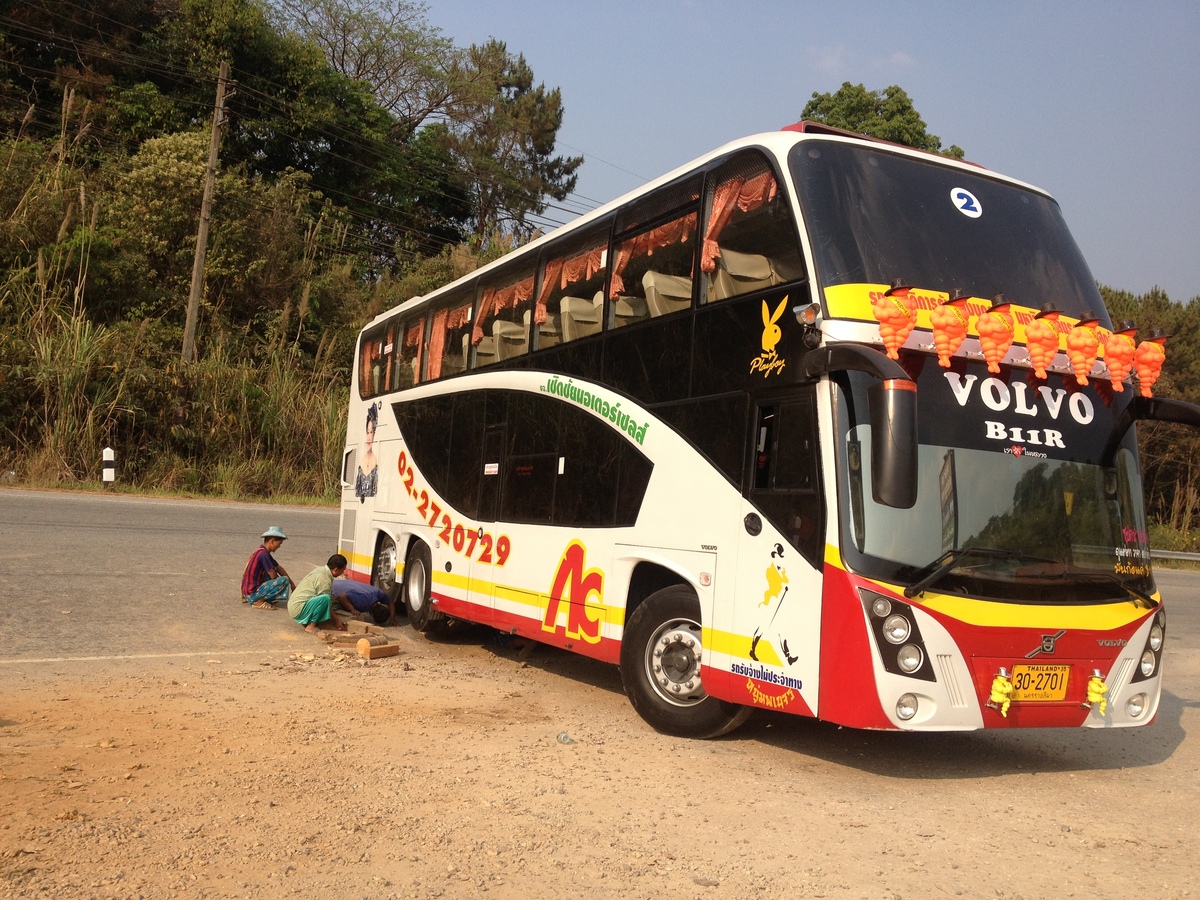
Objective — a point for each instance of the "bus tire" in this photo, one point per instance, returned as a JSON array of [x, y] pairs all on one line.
[[660, 668], [383, 573], [418, 570]]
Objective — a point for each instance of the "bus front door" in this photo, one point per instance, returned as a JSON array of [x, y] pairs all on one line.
[[778, 614]]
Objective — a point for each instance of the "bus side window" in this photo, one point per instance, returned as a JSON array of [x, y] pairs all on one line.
[[500, 330], [570, 302], [750, 241], [449, 332], [408, 360], [652, 272], [377, 362], [368, 353]]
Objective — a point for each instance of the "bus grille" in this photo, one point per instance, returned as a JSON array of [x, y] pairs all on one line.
[[348, 525], [1119, 677], [945, 665]]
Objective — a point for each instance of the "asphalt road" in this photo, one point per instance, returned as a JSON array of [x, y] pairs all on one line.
[[106, 579], [95, 578], [108, 576]]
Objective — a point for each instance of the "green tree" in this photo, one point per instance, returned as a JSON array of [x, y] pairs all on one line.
[[1170, 453], [504, 133], [888, 114], [388, 44]]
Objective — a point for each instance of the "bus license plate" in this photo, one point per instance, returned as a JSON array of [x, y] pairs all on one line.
[[1035, 684]]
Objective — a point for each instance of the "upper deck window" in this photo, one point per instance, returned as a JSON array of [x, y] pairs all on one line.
[[390, 357], [501, 330], [570, 302], [448, 333], [749, 237], [653, 268], [652, 272]]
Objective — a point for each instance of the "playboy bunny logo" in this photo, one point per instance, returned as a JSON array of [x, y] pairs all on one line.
[[771, 331], [768, 362]]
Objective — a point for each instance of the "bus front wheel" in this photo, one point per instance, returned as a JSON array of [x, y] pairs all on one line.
[[660, 668], [417, 582]]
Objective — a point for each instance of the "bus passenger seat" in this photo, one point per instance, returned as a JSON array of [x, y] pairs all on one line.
[[485, 350], [579, 318], [511, 339], [627, 310], [548, 331], [741, 273], [666, 293]]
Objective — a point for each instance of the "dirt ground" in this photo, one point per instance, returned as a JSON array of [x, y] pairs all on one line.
[[459, 768]]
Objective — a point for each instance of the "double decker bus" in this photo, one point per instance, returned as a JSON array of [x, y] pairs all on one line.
[[780, 430]]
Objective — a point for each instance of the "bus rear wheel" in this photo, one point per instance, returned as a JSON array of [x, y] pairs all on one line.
[[417, 584], [660, 668], [383, 575]]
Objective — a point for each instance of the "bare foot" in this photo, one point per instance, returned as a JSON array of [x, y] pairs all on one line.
[[310, 628]]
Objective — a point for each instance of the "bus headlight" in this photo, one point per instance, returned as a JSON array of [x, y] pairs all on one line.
[[1135, 706], [909, 658], [881, 606], [906, 707], [1147, 664], [1156, 638], [896, 629]]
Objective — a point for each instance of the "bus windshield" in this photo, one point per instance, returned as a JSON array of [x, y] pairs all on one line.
[[1015, 500], [877, 216]]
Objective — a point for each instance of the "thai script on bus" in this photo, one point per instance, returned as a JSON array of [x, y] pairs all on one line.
[[568, 390]]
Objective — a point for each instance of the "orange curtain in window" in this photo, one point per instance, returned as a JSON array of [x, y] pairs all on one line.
[[737, 193], [437, 343], [391, 351], [676, 232], [563, 273], [412, 338], [364, 371], [496, 300], [549, 280]]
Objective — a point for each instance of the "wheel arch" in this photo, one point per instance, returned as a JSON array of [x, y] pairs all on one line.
[[649, 577]]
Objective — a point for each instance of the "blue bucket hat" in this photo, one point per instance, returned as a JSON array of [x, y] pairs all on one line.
[[275, 532]]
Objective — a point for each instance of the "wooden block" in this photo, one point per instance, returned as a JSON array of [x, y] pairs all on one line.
[[367, 650]]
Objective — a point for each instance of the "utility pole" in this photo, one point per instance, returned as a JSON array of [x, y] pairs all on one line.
[[210, 177]]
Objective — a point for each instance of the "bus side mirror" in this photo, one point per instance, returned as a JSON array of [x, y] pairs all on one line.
[[893, 411]]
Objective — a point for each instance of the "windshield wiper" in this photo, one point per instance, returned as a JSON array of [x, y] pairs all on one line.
[[951, 558], [1140, 598]]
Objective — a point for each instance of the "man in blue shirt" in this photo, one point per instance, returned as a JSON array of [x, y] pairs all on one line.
[[365, 598]]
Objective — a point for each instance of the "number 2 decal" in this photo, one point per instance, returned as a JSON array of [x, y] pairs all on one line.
[[966, 203]]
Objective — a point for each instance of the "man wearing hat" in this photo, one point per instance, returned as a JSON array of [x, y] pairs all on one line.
[[265, 580]]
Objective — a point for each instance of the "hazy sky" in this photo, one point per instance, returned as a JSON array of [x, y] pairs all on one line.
[[1096, 102]]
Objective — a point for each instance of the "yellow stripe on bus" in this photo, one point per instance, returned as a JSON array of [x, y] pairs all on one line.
[[996, 614], [737, 646], [1093, 617], [853, 301]]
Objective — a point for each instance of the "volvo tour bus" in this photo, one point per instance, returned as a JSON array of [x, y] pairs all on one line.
[[774, 431]]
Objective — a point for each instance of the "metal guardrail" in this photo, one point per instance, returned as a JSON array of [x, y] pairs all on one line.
[[1174, 554]]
